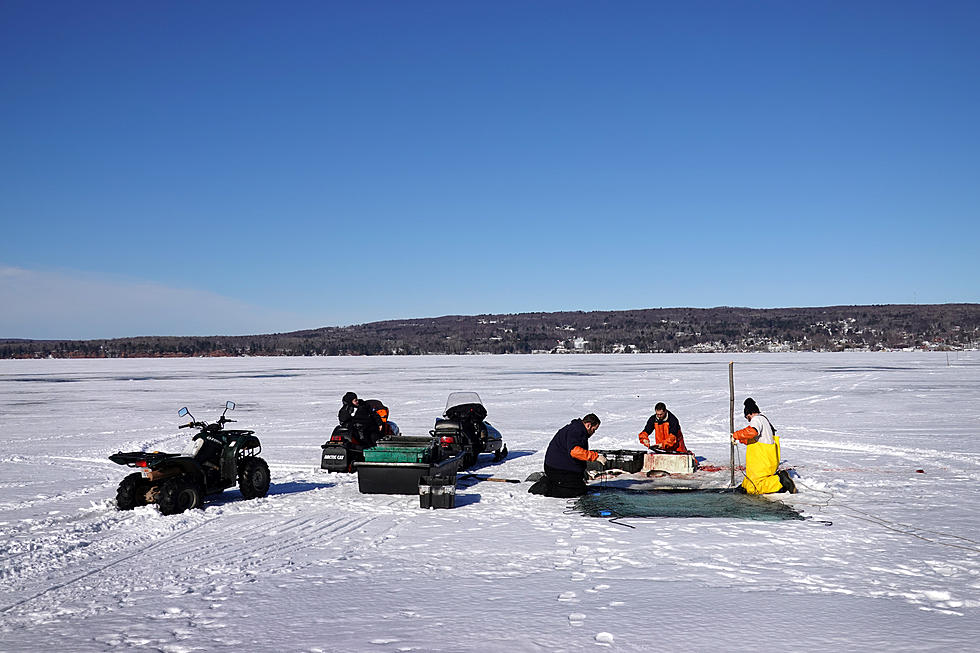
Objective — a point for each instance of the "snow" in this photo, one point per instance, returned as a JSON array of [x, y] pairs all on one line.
[[889, 558]]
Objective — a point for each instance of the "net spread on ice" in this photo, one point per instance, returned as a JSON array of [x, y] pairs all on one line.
[[614, 502]]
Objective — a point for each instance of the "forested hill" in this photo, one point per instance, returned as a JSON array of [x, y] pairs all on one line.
[[725, 329]]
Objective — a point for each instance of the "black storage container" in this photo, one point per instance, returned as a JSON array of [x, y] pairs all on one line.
[[437, 492], [401, 478], [628, 460]]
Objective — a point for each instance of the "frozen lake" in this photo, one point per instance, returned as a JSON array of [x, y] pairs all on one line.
[[886, 447]]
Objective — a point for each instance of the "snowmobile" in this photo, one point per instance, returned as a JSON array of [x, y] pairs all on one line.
[[214, 460], [462, 429], [346, 445]]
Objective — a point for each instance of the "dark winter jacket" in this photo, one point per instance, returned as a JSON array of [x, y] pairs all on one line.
[[569, 449], [367, 423], [345, 413]]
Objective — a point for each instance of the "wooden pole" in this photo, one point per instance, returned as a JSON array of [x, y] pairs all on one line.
[[731, 414]]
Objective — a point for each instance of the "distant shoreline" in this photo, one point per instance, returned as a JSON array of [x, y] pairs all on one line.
[[925, 327]]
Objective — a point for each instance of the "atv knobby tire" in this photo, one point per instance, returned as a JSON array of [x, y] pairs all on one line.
[[132, 492], [253, 478], [178, 494]]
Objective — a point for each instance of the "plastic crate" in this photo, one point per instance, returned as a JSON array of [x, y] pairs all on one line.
[[672, 463], [393, 454], [628, 460]]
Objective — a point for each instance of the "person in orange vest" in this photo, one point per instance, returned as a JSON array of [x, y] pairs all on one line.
[[762, 453], [665, 429]]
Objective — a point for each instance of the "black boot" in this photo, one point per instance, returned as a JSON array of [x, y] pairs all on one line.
[[786, 482]]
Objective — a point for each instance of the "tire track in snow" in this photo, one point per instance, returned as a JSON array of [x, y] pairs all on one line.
[[96, 570], [218, 544]]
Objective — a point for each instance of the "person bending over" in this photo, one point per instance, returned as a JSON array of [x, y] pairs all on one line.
[[565, 459]]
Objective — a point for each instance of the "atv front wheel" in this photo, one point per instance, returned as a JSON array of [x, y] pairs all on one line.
[[131, 493], [179, 494], [253, 478]]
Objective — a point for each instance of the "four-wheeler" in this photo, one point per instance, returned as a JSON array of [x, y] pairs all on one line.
[[215, 460], [462, 429]]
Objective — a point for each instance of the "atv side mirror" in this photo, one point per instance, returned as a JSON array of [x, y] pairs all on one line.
[[182, 412], [229, 405]]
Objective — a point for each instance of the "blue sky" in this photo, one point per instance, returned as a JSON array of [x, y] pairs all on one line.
[[239, 167]]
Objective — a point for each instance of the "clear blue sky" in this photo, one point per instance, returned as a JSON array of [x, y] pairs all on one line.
[[242, 167]]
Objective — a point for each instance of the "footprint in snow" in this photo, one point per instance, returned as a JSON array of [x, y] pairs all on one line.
[[566, 596], [576, 619], [604, 638]]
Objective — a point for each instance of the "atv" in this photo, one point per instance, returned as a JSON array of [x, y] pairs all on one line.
[[214, 460], [346, 444], [462, 429]]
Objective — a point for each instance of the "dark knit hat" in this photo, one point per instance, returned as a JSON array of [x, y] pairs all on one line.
[[349, 397], [751, 407]]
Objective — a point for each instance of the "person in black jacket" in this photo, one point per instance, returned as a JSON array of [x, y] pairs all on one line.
[[347, 408], [360, 417], [565, 459]]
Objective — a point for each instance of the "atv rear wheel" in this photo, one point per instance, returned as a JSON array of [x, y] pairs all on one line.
[[132, 492], [253, 478], [178, 494]]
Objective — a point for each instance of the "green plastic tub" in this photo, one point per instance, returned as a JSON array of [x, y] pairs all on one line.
[[396, 454]]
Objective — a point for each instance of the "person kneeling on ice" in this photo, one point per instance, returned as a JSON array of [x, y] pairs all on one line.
[[565, 459], [665, 428], [761, 455]]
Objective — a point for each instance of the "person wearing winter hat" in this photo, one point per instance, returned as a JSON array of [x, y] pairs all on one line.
[[762, 454], [362, 419], [348, 407]]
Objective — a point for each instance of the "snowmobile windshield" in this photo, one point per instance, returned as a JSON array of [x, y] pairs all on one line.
[[462, 399]]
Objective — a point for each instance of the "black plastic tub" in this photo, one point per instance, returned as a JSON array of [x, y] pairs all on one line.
[[628, 460], [401, 478]]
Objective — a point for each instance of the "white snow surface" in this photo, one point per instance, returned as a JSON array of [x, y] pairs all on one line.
[[889, 558]]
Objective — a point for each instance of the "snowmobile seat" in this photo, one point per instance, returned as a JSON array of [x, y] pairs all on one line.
[[448, 425]]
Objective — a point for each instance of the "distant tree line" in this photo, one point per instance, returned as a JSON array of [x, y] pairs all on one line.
[[725, 329]]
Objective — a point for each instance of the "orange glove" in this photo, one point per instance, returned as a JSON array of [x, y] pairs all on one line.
[[645, 439], [670, 441]]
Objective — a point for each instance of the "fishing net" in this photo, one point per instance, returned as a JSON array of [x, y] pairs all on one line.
[[615, 502]]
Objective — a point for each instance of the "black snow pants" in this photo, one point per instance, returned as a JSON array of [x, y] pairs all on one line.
[[560, 483]]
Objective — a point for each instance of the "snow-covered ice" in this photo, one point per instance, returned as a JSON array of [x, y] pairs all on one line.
[[889, 558]]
